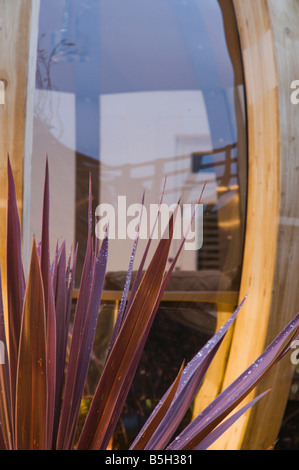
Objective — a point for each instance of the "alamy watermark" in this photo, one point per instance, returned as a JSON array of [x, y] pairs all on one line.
[[2, 92], [295, 94], [2, 353], [126, 221], [295, 354]]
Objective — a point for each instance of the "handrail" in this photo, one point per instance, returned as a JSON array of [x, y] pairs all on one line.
[[221, 297]]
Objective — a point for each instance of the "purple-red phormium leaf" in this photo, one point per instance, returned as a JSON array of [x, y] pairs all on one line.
[[144, 256], [60, 306], [148, 432], [54, 267], [229, 399], [191, 380], [69, 296], [219, 430], [136, 282], [69, 280], [39, 313], [2, 442], [49, 305], [85, 348], [5, 403], [14, 278], [45, 238], [31, 391], [108, 398], [139, 348], [137, 354], [78, 326], [124, 299], [51, 362], [174, 261], [196, 379]]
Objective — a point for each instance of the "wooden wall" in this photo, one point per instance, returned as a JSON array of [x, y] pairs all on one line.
[[18, 32], [269, 41]]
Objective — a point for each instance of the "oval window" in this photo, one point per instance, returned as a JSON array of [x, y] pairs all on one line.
[[132, 93]]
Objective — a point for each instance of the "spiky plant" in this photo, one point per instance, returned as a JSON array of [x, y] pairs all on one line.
[[42, 386]]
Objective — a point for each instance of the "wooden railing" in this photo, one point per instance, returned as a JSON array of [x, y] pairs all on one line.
[[230, 297]]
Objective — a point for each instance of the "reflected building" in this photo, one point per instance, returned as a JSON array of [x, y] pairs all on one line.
[[132, 107]]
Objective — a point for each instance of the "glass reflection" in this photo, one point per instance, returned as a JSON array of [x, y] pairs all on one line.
[[133, 92], [133, 107]]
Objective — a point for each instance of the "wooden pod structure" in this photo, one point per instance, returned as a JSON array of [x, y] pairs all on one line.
[[269, 46], [267, 31]]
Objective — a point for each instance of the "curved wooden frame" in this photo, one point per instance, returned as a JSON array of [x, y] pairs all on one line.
[[270, 264], [266, 29]]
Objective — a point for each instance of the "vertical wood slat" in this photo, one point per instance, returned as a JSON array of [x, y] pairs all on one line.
[[265, 420], [17, 60], [259, 262]]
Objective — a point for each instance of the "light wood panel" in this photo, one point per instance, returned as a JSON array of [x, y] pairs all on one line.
[[269, 41], [265, 420], [259, 263], [16, 24]]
